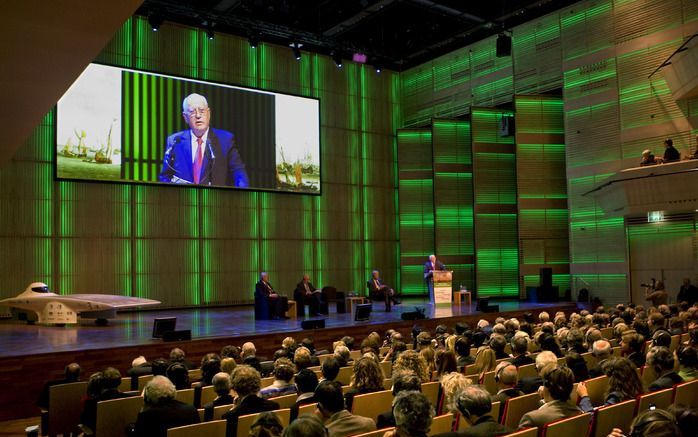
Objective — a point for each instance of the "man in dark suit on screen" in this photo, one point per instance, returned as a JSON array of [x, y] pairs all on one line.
[[429, 267], [278, 305], [202, 155]]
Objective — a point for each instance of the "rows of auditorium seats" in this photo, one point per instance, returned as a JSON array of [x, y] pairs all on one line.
[[114, 416]]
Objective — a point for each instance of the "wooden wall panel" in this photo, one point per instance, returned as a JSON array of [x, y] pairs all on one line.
[[542, 189]]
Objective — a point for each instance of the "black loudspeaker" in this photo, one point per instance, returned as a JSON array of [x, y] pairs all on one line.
[[546, 277], [548, 294], [483, 304], [184, 334], [503, 45], [162, 325], [313, 324], [363, 312], [417, 314], [341, 303]]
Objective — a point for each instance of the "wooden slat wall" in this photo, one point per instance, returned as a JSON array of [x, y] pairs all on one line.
[[453, 199], [600, 52], [416, 194], [190, 247], [494, 185], [542, 189]]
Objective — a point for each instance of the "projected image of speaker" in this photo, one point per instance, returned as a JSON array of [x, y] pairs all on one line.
[[162, 325], [363, 312], [313, 324]]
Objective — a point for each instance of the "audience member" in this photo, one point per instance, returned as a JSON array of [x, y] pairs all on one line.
[[558, 382], [498, 343], [661, 360], [221, 386], [670, 152], [282, 385], [531, 385], [178, 375], [506, 376], [367, 378], [227, 365], [306, 426], [161, 411], [71, 373], [462, 348], [687, 293], [578, 366], [306, 382], [651, 423], [411, 360], [338, 421], [267, 424], [631, 345], [177, 355], [602, 351], [688, 362], [475, 407], [329, 369], [519, 347], [485, 361], [624, 384], [445, 363], [245, 381], [413, 415], [451, 386], [402, 381]]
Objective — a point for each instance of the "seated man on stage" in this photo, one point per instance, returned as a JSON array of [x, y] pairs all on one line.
[[429, 267], [306, 293], [378, 290], [278, 305]]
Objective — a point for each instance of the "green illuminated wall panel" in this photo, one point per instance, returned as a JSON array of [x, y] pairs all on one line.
[[416, 194], [494, 185], [542, 189], [453, 198]]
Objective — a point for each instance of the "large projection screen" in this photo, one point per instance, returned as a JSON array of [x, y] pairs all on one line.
[[120, 125]]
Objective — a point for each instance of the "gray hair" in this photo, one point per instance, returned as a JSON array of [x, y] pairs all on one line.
[[474, 401], [263, 275], [544, 358], [192, 97], [158, 390], [413, 412], [221, 383], [602, 348]]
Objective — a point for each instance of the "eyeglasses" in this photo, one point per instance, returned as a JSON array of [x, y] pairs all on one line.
[[196, 112]]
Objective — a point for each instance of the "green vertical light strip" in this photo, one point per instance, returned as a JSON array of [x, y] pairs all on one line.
[[367, 262], [494, 177]]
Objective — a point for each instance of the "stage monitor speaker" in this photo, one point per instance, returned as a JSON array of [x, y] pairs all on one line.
[[363, 312], [341, 303], [417, 314], [162, 325], [546, 277], [483, 304], [182, 335], [313, 324], [548, 294], [503, 45]]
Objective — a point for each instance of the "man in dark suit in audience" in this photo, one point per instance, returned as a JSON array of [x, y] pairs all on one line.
[[246, 382], [475, 407], [110, 382], [602, 350], [558, 382], [462, 347], [687, 293], [379, 291], [71, 374], [278, 305], [402, 381], [531, 385], [221, 385], [161, 411], [306, 382], [331, 410], [306, 293], [506, 376], [661, 359], [519, 348]]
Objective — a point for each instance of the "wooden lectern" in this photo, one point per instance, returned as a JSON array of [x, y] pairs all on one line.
[[442, 287]]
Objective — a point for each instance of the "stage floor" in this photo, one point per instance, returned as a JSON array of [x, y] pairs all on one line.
[[135, 328]]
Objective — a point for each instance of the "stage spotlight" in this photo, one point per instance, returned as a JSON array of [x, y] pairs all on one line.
[[253, 40], [210, 34], [337, 58], [155, 22], [296, 49], [378, 68]]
